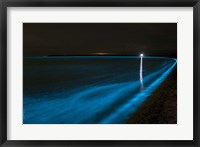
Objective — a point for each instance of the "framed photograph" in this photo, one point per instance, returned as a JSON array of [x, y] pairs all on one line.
[[99, 73]]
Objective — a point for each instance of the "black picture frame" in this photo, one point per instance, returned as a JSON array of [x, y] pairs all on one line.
[[96, 3]]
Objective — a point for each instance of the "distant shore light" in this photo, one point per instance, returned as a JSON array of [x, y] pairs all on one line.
[[141, 55], [101, 53]]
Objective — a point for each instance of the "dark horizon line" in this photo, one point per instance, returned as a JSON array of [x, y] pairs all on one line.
[[100, 55]]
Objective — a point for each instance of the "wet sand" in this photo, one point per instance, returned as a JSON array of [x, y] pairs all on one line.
[[161, 107]]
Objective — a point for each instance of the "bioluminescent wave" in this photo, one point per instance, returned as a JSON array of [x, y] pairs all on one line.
[[89, 89]]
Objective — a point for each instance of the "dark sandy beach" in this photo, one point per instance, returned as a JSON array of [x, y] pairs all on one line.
[[161, 107]]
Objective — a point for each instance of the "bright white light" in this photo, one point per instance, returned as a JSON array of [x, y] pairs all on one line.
[[141, 68]]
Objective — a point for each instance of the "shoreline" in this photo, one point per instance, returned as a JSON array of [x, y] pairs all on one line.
[[161, 106]]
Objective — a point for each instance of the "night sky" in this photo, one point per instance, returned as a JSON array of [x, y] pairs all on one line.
[[152, 39]]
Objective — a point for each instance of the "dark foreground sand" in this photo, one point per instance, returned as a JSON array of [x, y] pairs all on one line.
[[161, 107]]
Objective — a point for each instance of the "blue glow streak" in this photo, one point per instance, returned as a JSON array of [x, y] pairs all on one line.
[[128, 109]]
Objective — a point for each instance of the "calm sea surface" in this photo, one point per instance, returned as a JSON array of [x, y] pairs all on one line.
[[89, 89]]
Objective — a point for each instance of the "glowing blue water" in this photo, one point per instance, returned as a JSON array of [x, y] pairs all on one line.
[[89, 89]]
